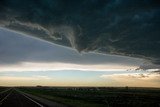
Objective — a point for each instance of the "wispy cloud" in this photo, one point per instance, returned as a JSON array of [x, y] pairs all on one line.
[[134, 79], [31, 66], [140, 76], [23, 78]]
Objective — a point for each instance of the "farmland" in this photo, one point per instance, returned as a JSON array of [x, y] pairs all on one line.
[[98, 96]]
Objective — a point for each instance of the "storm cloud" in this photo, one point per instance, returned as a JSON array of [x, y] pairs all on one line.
[[15, 48], [122, 27]]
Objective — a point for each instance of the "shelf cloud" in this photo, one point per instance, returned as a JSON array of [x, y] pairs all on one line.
[[121, 27], [23, 53]]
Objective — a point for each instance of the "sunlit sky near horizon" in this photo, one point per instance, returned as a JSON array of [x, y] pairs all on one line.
[[27, 61]]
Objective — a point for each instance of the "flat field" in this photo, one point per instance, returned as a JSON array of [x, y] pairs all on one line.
[[98, 96]]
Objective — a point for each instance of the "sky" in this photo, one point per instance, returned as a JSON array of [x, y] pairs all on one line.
[[28, 61], [122, 27], [80, 42]]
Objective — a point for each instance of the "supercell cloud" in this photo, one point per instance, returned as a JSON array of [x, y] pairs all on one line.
[[123, 27], [17, 50]]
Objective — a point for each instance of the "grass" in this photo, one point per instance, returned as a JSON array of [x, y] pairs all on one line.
[[3, 89], [101, 97]]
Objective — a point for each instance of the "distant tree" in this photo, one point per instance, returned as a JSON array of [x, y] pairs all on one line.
[[126, 87]]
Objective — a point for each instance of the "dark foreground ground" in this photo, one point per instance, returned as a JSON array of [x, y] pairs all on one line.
[[12, 97], [81, 97]]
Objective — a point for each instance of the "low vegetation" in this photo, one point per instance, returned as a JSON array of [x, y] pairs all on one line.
[[98, 96], [3, 89]]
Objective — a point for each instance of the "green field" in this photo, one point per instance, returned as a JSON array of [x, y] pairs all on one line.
[[3, 89], [98, 97]]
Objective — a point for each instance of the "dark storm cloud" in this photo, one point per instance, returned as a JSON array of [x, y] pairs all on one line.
[[15, 48], [126, 27]]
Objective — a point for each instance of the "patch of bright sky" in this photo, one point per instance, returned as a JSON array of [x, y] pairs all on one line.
[[80, 78]]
